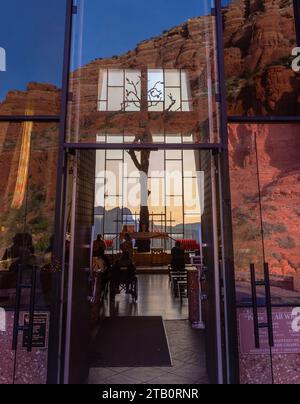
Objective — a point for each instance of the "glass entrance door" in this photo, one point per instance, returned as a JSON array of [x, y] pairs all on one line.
[[158, 198], [144, 94]]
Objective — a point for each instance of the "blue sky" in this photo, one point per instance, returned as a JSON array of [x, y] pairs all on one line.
[[118, 25], [32, 32]]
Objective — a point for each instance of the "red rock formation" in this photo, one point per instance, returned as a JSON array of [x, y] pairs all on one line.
[[36, 215], [189, 46], [259, 38], [38, 99], [278, 169]]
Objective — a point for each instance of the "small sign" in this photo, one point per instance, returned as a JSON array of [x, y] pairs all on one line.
[[40, 327], [286, 337]]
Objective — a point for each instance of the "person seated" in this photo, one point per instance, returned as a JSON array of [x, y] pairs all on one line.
[[127, 246], [178, 258], [119, 275], [99, 248]]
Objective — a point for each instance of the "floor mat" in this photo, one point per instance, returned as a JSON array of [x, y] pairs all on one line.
[[131, 342]]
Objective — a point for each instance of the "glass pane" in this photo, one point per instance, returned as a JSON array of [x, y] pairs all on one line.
[[172, 78], [132, 195], [278, 163], [29, 161], [114, 174], [114, 138], [155, 86], [116, 77], [172, 99], [175, 214], [192, 196], [100, 163], [278, 169], [185, 86], [115, 99], [130, 169], [258, 59], [191, 163], [247, 231], [161, 77], [174, 138], [156, 106], [102, 106], [157, 163], [133, 88], [272, 201], [99, 224], [32, 38], [103, 85], [192, 228], [174, 154], [114, 155], [99, 192], [111, 203]]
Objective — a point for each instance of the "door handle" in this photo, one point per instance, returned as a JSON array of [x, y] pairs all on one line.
[[269, 304], [254, 306], [269, 324], [31, 309]]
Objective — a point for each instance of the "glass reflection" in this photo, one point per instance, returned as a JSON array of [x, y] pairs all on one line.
[[169, 206], [270, 232], [152, 73], [28, 162], [32, 35], [259, 39]]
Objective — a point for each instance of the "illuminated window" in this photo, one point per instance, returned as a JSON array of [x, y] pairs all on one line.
[[119, 90], [167, 90]]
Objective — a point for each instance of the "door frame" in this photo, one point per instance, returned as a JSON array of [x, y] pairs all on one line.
[[56, 344], [224, 346]]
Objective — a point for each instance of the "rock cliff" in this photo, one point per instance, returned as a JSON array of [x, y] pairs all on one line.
[[259, 37]]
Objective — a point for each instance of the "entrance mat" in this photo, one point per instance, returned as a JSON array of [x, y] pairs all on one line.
[[131, 342]]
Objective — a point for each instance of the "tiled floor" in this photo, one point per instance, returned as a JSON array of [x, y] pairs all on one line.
[[155, 299], [187, 346]]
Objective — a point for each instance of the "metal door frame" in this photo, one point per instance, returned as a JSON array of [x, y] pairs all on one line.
[[55, 364]]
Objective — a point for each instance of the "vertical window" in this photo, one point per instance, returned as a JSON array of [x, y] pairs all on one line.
[[119, 90], [169, 90]]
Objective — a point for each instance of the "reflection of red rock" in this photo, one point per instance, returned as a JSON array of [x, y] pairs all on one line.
[[259, 37], [41, 99], [39, 205], [258, 58], [189, 47], [279, 167]]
